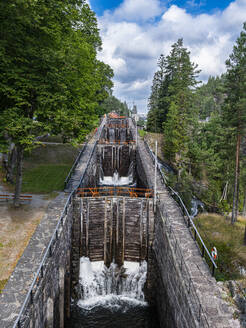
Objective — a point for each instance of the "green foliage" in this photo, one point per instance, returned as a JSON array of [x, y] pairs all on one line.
[[142, 133], [210, 96], [173, 82], [173, 140], [203, 127], [234, 110], [51, 79], [217, 231], [112, 104]]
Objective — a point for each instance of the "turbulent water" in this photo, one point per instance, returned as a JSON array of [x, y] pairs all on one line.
[[112, 297], [116, 179], [195, 205]]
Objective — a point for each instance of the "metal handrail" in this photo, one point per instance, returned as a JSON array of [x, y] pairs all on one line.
[[190, 223], [74, 165], [98, 135], [191, 289], [189, 220]]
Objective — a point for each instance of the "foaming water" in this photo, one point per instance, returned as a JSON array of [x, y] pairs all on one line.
[[116, 180], [112, 297], [98, 280]]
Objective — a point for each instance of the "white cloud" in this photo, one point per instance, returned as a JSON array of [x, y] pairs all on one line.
[[138, 31], [138, 10]]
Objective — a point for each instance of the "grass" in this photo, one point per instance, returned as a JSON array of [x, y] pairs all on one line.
[[45, 178], [45, 168], [142, 133], [2, 284], [217, 231]]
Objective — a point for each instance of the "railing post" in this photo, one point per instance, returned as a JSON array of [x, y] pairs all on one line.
[[155, 176], [31, 297], [213, 270]]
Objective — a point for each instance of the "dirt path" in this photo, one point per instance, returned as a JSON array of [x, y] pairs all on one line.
[[16, 228]]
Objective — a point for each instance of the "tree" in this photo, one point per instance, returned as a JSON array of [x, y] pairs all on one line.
[[113, 104], [234, 110], [180, 79], [156, 106], [210, 96], [51, 79]]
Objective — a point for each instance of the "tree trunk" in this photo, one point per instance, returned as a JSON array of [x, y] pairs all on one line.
[[237, 198], [244, 204], [236, 182], [18, 184], [11, 165], [244, 239]]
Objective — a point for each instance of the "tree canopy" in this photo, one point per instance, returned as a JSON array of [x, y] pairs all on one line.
[[51, 79], [204, 126]]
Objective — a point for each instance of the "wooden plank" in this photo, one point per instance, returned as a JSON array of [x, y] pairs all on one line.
[[111, 232], [117, 230], [123, 230], [141, 230], [81, 226], [105, 232], [87, 228], [147, 231]]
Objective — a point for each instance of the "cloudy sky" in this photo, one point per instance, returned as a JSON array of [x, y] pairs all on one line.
[[136, 32]]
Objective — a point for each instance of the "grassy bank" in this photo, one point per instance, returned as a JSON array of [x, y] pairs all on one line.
[[2, 284], [217, 231], [44, 178], [45, 168]]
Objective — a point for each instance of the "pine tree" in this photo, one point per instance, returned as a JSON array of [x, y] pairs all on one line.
[[155, 116], [180, 77], [234, 111]]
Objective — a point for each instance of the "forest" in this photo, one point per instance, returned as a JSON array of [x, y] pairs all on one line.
[[203, 127], [51, 79]]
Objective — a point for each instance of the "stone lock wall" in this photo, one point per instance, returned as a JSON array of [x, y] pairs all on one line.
[[50, 297], [91, 173]]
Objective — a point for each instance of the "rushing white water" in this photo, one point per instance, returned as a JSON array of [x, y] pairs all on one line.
[[116, 180], [195, 204], [111, 286]]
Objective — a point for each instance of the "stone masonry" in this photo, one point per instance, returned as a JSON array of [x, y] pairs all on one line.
[[54, 271]]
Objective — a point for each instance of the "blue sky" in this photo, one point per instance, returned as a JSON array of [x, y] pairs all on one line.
[[193, 6], [136, 32]]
